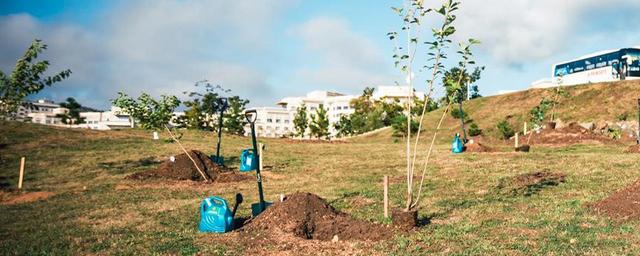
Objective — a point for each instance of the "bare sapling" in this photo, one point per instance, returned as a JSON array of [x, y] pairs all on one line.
[[413, 14]]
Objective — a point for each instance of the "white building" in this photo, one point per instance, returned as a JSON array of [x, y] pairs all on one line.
[[42, 112], [106, 120], [603, 66], [277, 122]]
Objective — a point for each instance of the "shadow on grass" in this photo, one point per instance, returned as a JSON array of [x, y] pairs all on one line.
[[120, 167]]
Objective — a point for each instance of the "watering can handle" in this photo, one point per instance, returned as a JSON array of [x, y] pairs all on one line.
[[251, 115]]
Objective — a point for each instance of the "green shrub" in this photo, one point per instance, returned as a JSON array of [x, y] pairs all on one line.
[[506, 131], [457, 113], [474, 130], [623, 117]]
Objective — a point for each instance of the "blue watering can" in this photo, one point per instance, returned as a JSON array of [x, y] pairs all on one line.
[[215, 215], [457, 147], [248, 161]]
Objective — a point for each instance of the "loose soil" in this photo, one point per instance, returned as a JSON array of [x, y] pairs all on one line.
[[24, 197], [405, 220], [621, 205], [530, 183], [476, 147], [183, 169], [523, 148], [633, 149], [308, 216], [571, 134]]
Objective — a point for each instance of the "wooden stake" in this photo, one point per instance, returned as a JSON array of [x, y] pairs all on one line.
[[517, 140], [525, 128], [186, 152], [22, 162], [386, 196]]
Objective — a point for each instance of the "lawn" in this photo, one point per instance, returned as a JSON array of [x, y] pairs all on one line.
[[94, 210]]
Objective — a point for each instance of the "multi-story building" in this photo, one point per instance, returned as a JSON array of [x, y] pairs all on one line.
[[278, 121], [106, 120], [42, 112]]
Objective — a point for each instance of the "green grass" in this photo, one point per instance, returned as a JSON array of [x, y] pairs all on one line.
[[96, 211]]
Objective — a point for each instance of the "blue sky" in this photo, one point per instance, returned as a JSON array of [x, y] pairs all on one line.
[[265, 50]]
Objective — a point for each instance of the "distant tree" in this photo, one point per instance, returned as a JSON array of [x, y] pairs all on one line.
[[320, 123], [454, 76], [399, 126], [506, 131], [73, 116], [149, 113], [538, 113], [234, 119], [205, 106], [27, 78], [300, 121], [343, 127]]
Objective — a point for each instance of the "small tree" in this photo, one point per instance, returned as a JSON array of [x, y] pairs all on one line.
[[205, 106], [399, 126], [538, 113], [320, 123], [559, 93], [300, 121], [343, 127], [474, 130], [73, 116], [27, 78], [234, 119], [149, 113], [506, 131]]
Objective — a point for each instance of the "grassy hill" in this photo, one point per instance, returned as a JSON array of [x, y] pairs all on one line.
[[587, 103]]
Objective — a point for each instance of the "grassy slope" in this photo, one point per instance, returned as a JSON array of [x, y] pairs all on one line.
[[588, 103], [116, 216]]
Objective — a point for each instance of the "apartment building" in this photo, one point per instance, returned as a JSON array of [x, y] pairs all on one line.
[[106, 120], [42, 112], [277, 122]]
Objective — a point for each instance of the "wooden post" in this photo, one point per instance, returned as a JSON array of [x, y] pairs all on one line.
[[525, 128], [260, 147], [22, 162], [517, 140], [386, 196]]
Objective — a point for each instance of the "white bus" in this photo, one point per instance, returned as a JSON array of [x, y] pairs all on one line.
[[605, 66]]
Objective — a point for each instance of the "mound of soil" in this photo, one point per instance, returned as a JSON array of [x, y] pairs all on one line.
[[476, 147], [530, 183], [571, 134], [633, 149], [621, 205], [308, 216], [183, 169]]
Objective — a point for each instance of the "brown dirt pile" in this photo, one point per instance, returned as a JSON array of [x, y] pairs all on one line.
[[476, 147], [308, 216], [571, 134], [184, 169], [621, 205], [633, 149], [530, 183]]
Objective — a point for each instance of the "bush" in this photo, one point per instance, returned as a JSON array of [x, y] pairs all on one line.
[[506, 131], [474, 130], [457, 113], [399, 125], [623, 117]]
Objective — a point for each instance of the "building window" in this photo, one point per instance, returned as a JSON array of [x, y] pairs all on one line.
[[339, 108], [277, 121], [269, 120], [286, 121]]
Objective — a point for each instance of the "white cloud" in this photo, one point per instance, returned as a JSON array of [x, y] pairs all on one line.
[[518, 31], [346, 58], [154, 46]]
